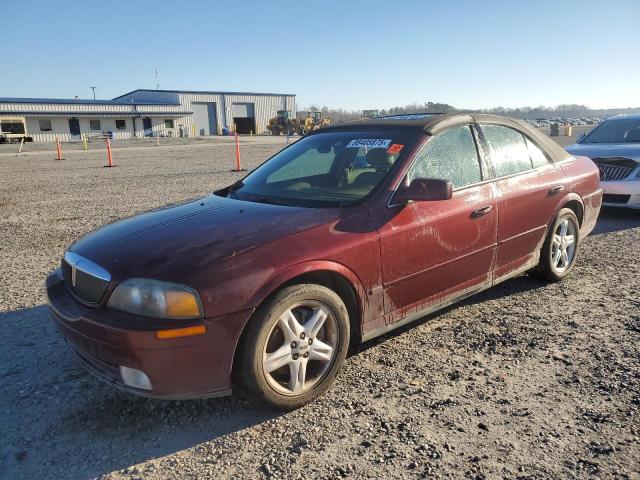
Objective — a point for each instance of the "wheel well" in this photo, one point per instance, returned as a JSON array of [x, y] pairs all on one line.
[[326, 278], [577, 208]]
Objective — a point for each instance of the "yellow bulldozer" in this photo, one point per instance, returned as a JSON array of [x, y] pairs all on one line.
[[309, 121], [304, 122], [282, 124]]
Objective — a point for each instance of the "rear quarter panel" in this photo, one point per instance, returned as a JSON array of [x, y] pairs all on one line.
[[584, 180]]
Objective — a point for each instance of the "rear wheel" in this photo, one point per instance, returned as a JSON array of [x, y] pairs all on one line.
[[294, 346], [559, 252]]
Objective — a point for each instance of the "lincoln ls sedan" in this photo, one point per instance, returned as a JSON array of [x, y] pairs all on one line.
[[352, 231]]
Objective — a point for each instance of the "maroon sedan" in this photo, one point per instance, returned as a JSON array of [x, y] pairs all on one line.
[[350, 232]]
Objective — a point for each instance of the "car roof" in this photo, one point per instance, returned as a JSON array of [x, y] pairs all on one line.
[[627, 116], [432, 123]]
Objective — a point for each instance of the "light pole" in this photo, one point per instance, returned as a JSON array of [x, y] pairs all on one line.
[[94, 92]]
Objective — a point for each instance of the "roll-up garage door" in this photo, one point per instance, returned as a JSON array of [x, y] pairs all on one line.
[[244, 117], [204, 118]]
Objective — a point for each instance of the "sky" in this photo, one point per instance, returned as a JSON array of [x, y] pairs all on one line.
[[342, 54]]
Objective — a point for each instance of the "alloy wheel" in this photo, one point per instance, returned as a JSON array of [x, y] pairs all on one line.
[[563, 245], [300, 348]]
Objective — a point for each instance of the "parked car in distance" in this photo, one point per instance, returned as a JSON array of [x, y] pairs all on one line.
[[614, 146], [352, 231]]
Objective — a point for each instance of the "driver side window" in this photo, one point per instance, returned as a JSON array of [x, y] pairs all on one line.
[[450, 155]]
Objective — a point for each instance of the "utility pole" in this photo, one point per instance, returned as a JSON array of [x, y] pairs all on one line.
[[157, 79], [94, 92]]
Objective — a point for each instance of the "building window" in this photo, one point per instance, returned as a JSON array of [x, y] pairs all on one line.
[[45, 125], [168, 123], [121, 125], [94, 125]]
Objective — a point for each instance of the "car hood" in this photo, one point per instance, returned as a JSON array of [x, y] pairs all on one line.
[[177, 242], [605, 150]]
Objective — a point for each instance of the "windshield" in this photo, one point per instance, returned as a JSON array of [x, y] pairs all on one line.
[[331, 169], [615, 131]]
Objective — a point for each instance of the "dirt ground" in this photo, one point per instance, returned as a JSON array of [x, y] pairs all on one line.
[[526, 380]]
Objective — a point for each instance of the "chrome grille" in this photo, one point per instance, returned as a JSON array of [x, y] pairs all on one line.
[[86, 280], [614, 172]]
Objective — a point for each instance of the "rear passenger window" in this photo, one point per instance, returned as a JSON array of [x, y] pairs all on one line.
[[538, 158], [509, 152], [450, 155]]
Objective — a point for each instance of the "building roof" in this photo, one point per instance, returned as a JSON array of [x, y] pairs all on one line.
[[96, 114], [208, 92], [81, 101]]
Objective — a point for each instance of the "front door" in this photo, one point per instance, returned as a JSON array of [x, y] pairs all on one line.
[[146, 125], [529, 186], [74, 127], [433, 251]]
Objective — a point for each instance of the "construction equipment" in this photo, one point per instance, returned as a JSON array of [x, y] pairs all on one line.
[[13, 129], [282, 123], [304, 122], [309, 121]]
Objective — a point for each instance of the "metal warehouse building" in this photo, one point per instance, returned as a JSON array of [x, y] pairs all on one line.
[[147, 113]]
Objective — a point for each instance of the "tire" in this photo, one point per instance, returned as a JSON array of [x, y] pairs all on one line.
[[275, 348], [550, 268]]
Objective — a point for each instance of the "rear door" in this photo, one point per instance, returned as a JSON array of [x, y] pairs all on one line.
[[433, 251], [529, 186]]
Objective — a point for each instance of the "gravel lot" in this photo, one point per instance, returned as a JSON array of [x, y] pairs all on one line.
[[524, 381]]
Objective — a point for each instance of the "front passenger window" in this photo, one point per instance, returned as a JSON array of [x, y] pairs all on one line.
[[509, 152], [450, 155]]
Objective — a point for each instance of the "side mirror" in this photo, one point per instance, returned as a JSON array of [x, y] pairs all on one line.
[[424, 189], [580, 137]]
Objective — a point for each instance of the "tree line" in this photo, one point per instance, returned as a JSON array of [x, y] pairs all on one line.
[[568, 110]]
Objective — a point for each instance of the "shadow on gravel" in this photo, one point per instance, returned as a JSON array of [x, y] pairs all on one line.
[[616, 219], [49, 403]]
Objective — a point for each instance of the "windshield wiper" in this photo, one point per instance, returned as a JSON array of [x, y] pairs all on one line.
[[274, 201]]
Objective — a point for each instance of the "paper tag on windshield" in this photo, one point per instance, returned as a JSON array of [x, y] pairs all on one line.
[[369, 143], [395, 148]]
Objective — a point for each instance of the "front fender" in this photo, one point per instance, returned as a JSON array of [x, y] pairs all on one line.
[[284, 276]]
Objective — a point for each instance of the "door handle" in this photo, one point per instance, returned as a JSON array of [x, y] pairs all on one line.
[[556, 189], [481, 211]]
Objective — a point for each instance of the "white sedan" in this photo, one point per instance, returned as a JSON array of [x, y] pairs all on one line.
[[614, 146]]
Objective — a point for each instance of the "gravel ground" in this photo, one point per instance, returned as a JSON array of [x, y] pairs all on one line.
[[523, 381], [8, 149]]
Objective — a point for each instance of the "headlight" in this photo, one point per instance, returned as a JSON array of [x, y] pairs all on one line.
[[152, 298]]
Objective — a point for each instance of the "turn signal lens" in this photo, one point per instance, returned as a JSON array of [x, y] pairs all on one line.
[[181, 304], [181, 332]]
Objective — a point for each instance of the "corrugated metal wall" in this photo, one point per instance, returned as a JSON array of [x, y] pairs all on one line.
[[264, 108]]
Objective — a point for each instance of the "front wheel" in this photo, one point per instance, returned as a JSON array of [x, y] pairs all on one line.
[[559, 252], [294, 346]]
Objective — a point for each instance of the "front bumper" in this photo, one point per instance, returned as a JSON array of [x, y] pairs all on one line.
[[622, 193], [178, 368]]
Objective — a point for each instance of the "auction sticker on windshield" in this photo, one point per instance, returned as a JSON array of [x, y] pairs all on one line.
[[369, 143]]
